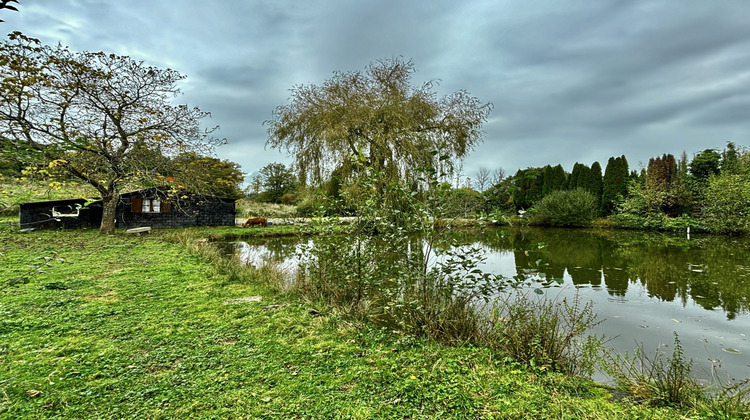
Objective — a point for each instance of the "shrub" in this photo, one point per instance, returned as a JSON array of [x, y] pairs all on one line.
[[566, 208], [289, 198], [548, 334], [459, 202], [249, 208], [726, 207], [311, 205], [396, 267]]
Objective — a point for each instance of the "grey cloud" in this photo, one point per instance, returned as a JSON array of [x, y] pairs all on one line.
[[570, 81]]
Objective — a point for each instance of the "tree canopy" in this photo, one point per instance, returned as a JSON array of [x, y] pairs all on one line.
[[555, 179], [276, 180], [209, 175], [379, 117], [664, 189], [705, 164], [103, 118], [528, 185]]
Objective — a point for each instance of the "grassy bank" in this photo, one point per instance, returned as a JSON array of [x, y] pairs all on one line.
[[16, 191], [127, 326]]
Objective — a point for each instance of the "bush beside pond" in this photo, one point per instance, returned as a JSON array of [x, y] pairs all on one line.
[[574, 208]]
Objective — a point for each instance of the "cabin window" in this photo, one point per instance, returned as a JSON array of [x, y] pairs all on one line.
[[149, 205], [66, 211]]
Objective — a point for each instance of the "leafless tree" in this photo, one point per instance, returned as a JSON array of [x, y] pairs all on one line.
[[482, 179], [458, 172], [498, 176]]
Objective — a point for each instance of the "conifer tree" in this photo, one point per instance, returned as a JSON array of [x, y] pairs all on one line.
[[546, 186], [614, 185], [529, 185], [556, 179], [574, 177], [729, 159], [536, 186], [664, 190], [596, 181]]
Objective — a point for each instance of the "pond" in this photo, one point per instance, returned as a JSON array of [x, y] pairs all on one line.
[[644, 285]]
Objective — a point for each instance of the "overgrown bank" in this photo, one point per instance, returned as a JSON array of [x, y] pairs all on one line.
[[121, 326]]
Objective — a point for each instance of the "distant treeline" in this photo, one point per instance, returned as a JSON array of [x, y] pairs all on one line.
[[711, 191]]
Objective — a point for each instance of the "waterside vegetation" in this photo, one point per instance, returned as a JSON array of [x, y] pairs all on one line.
[[164, 326]]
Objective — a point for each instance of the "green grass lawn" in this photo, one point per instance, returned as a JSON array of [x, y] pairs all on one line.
[[139, 327]]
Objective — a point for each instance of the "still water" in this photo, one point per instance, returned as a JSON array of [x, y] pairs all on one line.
[[644, 285]]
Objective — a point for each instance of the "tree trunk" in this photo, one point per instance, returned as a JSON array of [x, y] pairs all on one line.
[[109, 204]]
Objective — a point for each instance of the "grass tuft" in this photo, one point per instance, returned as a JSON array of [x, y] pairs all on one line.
[[658, 379], [548, 334]]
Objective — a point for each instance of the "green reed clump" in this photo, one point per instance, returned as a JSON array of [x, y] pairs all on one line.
[[548, 334], [666, 380], [659, 379], [431, 305], [339, 273], [731, 402]]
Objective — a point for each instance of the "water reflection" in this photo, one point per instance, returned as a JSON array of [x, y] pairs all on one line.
[[710, 271], [282, 252], [713, 272]]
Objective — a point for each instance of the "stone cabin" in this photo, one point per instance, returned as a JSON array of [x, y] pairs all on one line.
[[150, 207]]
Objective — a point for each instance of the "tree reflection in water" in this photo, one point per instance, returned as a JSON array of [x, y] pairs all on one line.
[[712, 271]]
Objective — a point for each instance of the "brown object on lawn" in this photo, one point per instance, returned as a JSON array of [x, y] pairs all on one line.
[[255, 221]]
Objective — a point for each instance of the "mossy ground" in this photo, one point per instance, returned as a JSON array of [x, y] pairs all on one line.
[[130, 326]]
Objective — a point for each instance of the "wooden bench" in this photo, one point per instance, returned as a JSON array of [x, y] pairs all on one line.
[[139, 230]]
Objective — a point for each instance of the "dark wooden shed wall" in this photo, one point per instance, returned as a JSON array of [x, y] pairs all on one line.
[[194, 210], [39, 215]]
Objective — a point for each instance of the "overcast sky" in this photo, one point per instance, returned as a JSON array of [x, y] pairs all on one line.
[[570, 80]]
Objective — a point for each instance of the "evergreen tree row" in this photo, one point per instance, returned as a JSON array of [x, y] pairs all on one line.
[[711, 191], [532, 184]]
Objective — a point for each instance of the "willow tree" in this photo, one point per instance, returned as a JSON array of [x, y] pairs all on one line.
[[92, 115], [379, 117]]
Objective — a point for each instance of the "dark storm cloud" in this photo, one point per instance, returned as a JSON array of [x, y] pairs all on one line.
[[570, 81]]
